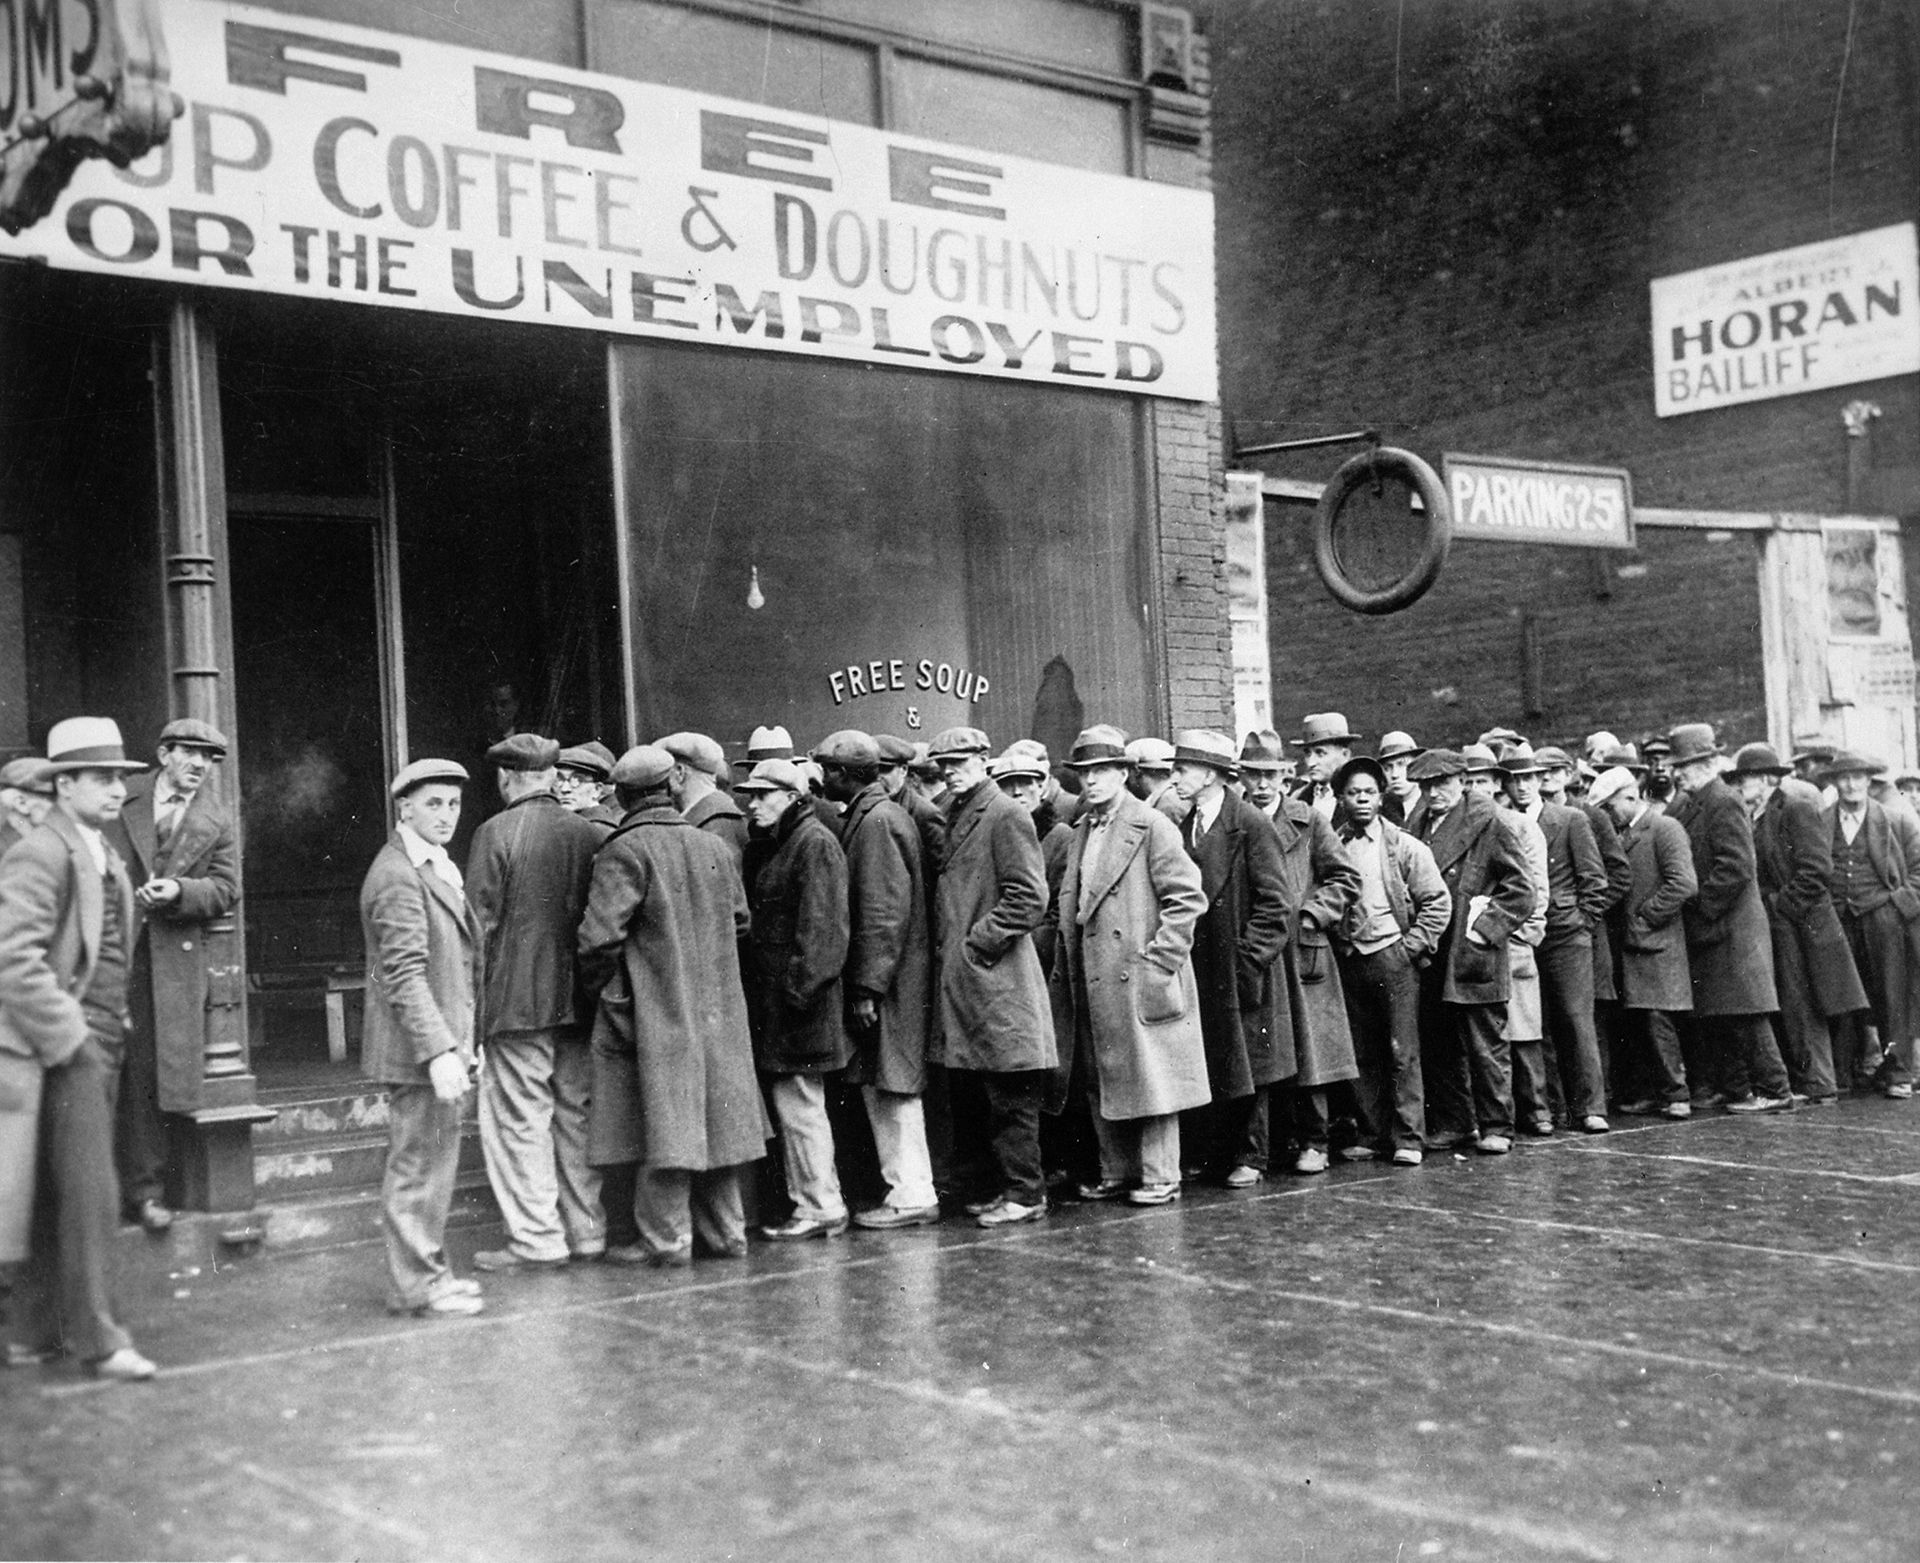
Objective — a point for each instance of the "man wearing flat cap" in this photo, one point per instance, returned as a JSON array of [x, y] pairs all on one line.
[[422, 1012], [897, 758], [994, 1015], [582, 776], [889, 976], [1875, 882], [527, 874], [799, 941], [1326, 743], [694, 784], [66, 949], [1152, 778], [1729, 941], [1126, 1011], [177, 837], [1465, 1064], [673, 1078], [1246, 1015], [26, 798], [1813, 969]]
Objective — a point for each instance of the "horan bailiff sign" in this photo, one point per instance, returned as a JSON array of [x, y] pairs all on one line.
[[1506, 500], [1804, 319]]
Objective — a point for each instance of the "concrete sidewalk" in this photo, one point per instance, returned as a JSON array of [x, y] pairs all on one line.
[[1676, 1342]]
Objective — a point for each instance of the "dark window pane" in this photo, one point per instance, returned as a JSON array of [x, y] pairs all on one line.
[[999, 114], [751, 61], [532, 29], [1058, 32]]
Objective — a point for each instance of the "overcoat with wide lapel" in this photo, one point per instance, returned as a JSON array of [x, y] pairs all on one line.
[[1319, 883], [1653, 939], [890, 948], [423, 968], [799, 942], [203, 855], [1729, 940], [1244, 1008], [1125, 1002], [992, 1007], [1479, 860], [1793, 856], [1606, 929]]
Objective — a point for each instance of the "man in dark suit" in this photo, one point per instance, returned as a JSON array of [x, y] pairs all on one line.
[[423, 991], [1262, 759], [1729, 942], [66, 947], [1235, 945], [177, 837], [1577, 897], [1876, 886], [1558, 778], [1813, 968], [1326, 743], [527, 874], [1465, 1063]]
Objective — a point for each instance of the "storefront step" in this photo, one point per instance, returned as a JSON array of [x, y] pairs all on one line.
[[334, 1162]]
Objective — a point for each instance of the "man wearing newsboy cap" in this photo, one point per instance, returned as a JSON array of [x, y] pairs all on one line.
[[66, 947]]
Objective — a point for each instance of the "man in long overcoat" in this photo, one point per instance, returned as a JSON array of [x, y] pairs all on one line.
[[1654, 982], [799, 942], [888, 978], [1876, 887], [66, 931], [1557, 777], [674, 1087], [696, 792], [422, 1014], [177, 838], [1463, 995], [1729, 941], [1123, 990], [993, 1014], [1244, 1014], [1813, 970], [527, 873]]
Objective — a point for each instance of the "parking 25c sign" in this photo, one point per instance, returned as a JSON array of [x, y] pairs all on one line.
[[1514, 501], [335, 162], [1804, 319]]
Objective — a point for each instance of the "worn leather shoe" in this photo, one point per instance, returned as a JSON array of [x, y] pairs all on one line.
[[503, 1259], [1677, 1110], [125, 1366], [1761, 1104], [153, 1216], [450, 1302], [1408, 1156], [1593, 1123], [1310, 1161], [889, 1218], [1494, 1145], [1898, 1093], [1244, 1177], [1154, 1194], [797, 1229], [1105, 1189], [1010, 1212], [1357, 1153], [1645, 1107], [979, 1207]]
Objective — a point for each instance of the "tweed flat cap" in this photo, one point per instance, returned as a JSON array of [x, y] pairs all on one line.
[[581, 758], [775, 776], [894, 751], [1553, 757], [420, 772], [193, 732], [1017, 762], [29, 773], [1151, 754], [1437, 763], [525, 752], [958, 742], [1613, 780], [849, 746], [643, 767], [704, 754]]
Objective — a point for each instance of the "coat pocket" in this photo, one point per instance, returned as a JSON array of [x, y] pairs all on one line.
[[1253, 979], [1311, 956], [1158, 996], [1475, 963]]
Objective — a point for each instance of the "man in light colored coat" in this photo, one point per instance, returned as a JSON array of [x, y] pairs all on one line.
[[66, 947], [527, 873], [994, 1015], [423, 990], [1654, 982], [1123, 990]]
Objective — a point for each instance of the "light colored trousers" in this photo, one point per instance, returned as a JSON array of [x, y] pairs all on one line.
[[806, 1147], [671, 1205], [900, 1138], [1144, 1150], [534, 1091]]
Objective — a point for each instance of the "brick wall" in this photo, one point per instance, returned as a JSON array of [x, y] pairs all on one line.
[[1190, 514], [1456, 248]]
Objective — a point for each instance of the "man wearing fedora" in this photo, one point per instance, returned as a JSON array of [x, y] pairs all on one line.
[[423, 996], [1390, 932], [1326, 743], [1244, 1018], [66, 956], [1263, 764], [994, 1015], [1464, 1060], [799, 941], [1126, 1009], [1578, 896], [527, 873], [673, 1075], [1875, 882], [1650, 1074], [1729, 941], [1398, 796], [177, 839], [26, 797]]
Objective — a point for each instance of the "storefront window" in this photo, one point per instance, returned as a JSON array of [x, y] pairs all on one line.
[[928, 549], [1001, 114]]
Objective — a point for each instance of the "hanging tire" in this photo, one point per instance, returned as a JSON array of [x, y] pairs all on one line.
[[1386, 462]]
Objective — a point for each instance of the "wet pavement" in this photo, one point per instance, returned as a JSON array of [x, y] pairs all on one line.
[[1680, 1341]]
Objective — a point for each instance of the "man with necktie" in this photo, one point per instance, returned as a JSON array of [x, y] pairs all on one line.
[[1327, 744]]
